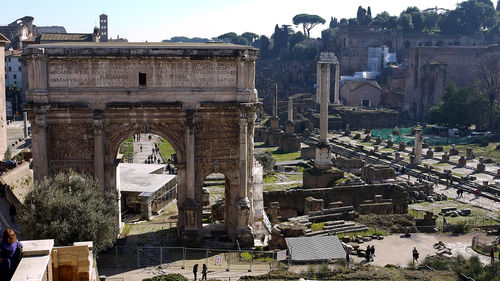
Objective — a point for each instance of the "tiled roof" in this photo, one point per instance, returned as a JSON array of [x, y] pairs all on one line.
[[73, 37], [353, 85], [3, 38], [315, 248]]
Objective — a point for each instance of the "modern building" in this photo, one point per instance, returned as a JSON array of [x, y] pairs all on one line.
[[103, 24], [14, 83], [145, 189], [13, 68]]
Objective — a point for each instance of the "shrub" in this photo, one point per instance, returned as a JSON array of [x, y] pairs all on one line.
[[167, 277]]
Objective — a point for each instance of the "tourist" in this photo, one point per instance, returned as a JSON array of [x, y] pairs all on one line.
[[141, 148], [204, 272], [372, 254], [195, 271], [458, 192], [415, 255], [477, 192], [347, 258], [10, 254], [12, 212], [367, 253], [492, 255]]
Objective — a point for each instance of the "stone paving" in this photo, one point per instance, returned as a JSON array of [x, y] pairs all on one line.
[[140, 155]]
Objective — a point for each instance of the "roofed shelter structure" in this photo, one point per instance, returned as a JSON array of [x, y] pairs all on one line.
[[84, 99], [361, 93]]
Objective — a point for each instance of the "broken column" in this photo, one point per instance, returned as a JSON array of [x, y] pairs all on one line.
[[274, 136], [470, 153], [480, 166], [336, 99], [462, 161], [418, 146], [25, 124], [323, 174], [289, 142]]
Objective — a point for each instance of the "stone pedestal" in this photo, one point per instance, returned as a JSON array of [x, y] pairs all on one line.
[[378, 140], [445, 157], [462, 161], [429, 153], [438, 149], [274, 137], [289, 143], [453, 150], [275, 123], [274, 212], [390, 143], [402, 146], [470, 153], [480, 168], [397, 156], [146, 210], [322, 159], [320, 178], [418, 146]]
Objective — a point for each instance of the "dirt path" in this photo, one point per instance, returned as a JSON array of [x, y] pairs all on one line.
[[397, 250]]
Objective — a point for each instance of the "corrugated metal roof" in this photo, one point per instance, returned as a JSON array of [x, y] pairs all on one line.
[[315, 248]]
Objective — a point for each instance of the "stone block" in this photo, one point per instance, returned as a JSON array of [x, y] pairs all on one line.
[[462, 161], [378, 140], [425, 145], [320, 178], [289, 143], [453, 150], [390, 143], [429, 153], [445, 157], [470, 153], [480, 168], [367, 138], [438, 149], [337, 204], [312, 204], [402, 146]]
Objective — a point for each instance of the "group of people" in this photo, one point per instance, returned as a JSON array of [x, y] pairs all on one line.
[[10, 254], [370, 253], [204, 271]]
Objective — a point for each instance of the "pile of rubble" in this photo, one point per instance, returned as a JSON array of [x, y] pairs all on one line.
[[361, 239], [453, 212], [422, 192], [442, 250]]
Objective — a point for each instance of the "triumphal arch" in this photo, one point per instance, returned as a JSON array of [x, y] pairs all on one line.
[[84, 99]]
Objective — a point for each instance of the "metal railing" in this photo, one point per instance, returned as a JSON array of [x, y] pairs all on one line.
[[185, 258]]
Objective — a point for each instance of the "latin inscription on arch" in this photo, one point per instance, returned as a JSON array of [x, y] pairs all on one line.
[[124, 73]]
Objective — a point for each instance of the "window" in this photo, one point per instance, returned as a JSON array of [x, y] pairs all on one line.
[[15, 76], [142, 79], [19, 68], [10, 68], [365, 102]]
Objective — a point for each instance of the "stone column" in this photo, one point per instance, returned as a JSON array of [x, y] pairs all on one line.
[[418, 146], [318, 83], [99, 147], [336, 99], [25, 124], [39, 141], [275, 101], [325, 91], [190, 195], [243, 199], [290, 109]]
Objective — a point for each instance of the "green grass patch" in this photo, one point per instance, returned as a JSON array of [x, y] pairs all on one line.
[[166, 149], [279, 156], [270, 178], [369, 232], [127, 149], [479, 151], [317, 226]]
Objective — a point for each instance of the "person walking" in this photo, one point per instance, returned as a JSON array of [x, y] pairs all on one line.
[[204, 272], [492, 255], [347, 258], [372, 254], [477, 192], [195, 271], [415, 255], [367, 253]]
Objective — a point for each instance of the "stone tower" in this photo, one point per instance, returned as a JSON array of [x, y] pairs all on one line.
[[103, 25]]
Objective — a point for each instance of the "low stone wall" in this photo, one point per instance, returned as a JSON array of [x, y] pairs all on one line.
[[384, 208], [348, 195], [18, 182]]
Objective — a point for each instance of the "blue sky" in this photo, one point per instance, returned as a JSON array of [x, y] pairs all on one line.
[[155, 20]]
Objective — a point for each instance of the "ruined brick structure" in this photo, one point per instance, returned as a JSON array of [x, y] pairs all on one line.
[[84, 99]]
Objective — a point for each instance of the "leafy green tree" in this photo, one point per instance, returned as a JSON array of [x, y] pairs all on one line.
[[308, 22], [417, 18], [280, 39], [460, 108], [385, 21], [405, 22], [263, 45], [362, 16], [250, 37], [69, 208], [431, 19], [369, 13], [334, 22], [489, 73], [296, 38], [343, 22], [267, 161]]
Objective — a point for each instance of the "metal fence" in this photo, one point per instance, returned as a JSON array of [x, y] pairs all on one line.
[[185, 258]]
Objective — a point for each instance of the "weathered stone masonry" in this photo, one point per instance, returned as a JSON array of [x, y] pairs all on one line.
[[85, 99]]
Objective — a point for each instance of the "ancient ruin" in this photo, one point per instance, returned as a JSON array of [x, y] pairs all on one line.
[[84, 99]]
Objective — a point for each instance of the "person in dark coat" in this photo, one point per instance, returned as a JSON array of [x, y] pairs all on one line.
[[12, 212], [415, 254], [372, 253], [367, 253], [204, 271], [8, 247], [195, 271]]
